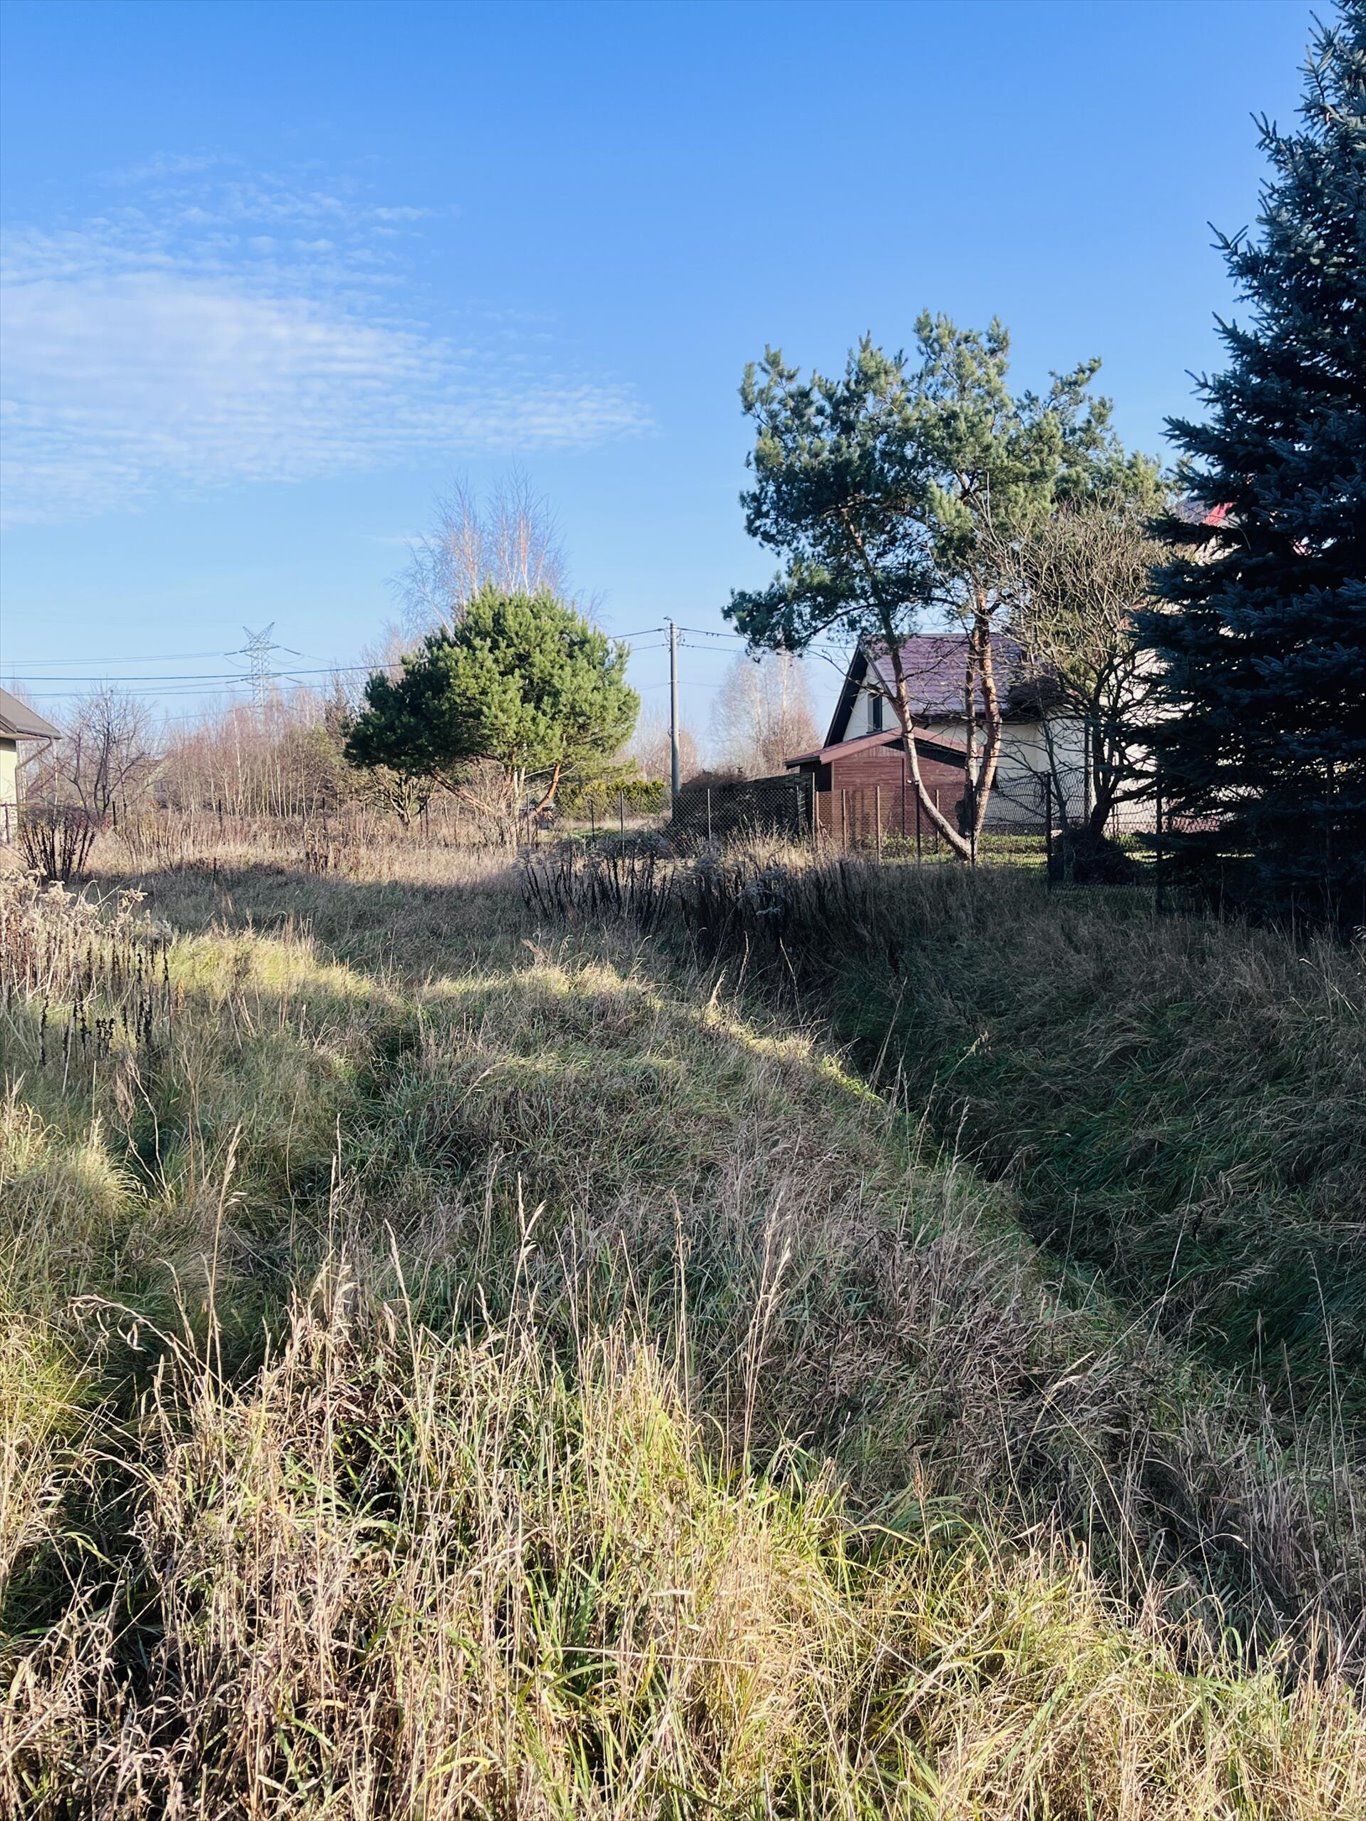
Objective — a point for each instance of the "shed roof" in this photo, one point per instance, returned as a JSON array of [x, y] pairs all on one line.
[[20, 722], [928, 744]]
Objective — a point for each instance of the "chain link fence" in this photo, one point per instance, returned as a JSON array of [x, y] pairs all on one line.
[[1048, 821], [1045, 821], [1051, 823]]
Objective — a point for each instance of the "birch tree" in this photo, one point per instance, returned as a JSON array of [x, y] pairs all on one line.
[[508, 541], [762, 714]]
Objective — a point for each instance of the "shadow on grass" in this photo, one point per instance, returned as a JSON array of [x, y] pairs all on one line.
[[490, 1118]]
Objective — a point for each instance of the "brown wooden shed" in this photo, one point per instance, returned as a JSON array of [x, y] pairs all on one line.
[[860, 783]]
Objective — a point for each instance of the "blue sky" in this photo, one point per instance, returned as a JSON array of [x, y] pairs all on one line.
[[275, 273]]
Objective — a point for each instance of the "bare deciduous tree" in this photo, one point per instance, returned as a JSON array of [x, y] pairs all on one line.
[[1077, 577], [106, 761], [510, 540], [762, 714], [385, 652], [649, 747], [282, 760]]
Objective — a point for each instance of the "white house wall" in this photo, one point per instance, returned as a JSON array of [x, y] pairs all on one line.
[[1024, 757], [860, 721], [9, 788], [1017, 799]]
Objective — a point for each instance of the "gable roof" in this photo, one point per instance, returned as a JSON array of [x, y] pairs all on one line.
[[931, 746], [19, 722], [935, 666]]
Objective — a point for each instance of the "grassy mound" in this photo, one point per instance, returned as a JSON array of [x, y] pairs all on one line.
[[453, 1370], [1176, 1102]]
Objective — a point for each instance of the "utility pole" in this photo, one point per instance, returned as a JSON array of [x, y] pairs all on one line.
[[675, 765]]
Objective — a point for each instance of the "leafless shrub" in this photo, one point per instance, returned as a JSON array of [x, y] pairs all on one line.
[[282, 759], [93, 971], [56, 839], [106, 761], [621, 880], [1076, 577]]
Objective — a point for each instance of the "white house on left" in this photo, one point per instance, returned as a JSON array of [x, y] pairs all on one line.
[[19, 724]]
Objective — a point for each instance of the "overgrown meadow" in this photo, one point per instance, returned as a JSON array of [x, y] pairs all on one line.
[[728, 1338]]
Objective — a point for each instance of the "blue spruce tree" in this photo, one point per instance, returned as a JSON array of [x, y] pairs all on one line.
[[1263, 632]]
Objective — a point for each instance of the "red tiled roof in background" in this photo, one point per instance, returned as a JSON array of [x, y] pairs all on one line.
[[1196, 512]]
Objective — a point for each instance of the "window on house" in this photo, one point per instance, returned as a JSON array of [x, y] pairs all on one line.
[[875, 714]]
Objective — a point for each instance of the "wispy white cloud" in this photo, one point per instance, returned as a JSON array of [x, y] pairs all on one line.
[[247, 330], [166, 165]]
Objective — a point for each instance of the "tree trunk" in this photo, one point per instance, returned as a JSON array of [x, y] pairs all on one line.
[[551, 788], [985, 779], [954, 836]]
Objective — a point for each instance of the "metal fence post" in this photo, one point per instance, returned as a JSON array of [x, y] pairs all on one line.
[[709, 812], [1048, 831], [877, 816], [919, 856], [844, 821], [1158, 862], [815, 827]]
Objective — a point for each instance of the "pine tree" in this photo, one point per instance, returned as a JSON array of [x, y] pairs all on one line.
[[522, 685], [1263, 638]]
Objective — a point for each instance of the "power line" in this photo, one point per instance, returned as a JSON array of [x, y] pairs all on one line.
[[259, 677], [14, 666], [152, 695], [210, 676], [823, 649], [193, 679], [147, 657], [206, 676], [22, 669]]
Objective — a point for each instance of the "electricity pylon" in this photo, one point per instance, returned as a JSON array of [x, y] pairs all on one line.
[[257, 651]]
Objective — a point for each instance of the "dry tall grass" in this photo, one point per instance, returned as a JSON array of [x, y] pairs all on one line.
[[458, 1369], [406, 1573], [1174, 1100]]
